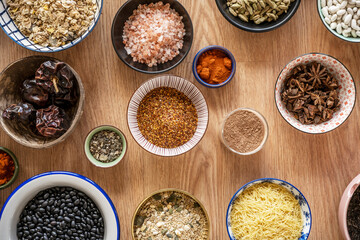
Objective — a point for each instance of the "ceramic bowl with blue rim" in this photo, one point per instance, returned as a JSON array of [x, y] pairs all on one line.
[[15, 203], [304, 206], [10, 28], [228, 54]]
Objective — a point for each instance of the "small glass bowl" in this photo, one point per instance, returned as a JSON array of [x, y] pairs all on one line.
[[228, 54], [92, 159], [263, 120], [12, 155]]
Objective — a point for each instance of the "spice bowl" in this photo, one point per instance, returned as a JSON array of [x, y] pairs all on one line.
[[182, 86], [170, 202], [349, 38], [344, 206], [305, 211], [16, 167], [18, 199], [11, 80], [255, 140], [250, 25], [122, 142], [346, 92], [117, 32], [228, 55], [13, 32]]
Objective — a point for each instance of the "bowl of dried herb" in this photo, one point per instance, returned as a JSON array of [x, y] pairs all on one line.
[[167, 115], [105, 146], [173, 214], [41, 101], [315, 93], [349, 211]]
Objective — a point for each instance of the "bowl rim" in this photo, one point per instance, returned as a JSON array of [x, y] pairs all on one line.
[[262, 119], [127, 111], [170, 190], [57, 49], [79, 111], [158, 71], [344, 202], [209, 48], [91, 158], [342, 37], [69, 174], [263, 180], [327, 55], [16, 171], [276, 25]]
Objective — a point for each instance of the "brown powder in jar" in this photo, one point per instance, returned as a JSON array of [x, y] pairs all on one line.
[[243, 131]]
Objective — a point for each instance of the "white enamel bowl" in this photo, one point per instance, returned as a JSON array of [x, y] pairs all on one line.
[[18, 199]]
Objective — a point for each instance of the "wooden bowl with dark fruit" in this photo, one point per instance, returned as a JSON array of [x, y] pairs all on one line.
[[41, 101]]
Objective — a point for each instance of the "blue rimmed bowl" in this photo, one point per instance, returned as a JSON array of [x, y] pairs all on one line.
[[10, 28], [304, 206], [15, 203], [228, 54]]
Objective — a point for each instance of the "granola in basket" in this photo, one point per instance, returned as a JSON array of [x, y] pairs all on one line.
[[52, 23]]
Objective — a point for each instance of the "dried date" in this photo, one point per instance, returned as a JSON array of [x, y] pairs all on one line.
[[52, 121]]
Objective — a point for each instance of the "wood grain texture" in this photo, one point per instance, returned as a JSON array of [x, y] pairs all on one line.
[[320, 166]]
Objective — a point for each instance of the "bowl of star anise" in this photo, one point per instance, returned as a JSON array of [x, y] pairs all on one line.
[[315, 93], [41, 101]]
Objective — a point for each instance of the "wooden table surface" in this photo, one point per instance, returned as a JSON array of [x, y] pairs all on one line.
[[321, 166]]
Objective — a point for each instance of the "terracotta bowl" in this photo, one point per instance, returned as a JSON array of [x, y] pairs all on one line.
[[344, 204], [10, 80], [347, 92]]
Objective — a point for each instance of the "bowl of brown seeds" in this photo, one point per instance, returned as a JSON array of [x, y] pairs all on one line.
[[167, 115], [170, 214], [105, 146], [315, 93]]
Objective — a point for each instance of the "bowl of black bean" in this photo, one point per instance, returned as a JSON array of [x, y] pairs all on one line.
[[59, 205]]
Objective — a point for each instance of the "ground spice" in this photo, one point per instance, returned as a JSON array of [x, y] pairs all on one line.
[[7, 167], [167, 118], [214, 66], [243, 131], [353, 216]]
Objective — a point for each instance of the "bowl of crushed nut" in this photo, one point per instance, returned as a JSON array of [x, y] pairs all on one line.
[[258, 15], [315, 93], [170, 214], [49, 26]]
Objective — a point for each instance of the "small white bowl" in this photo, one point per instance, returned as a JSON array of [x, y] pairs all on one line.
[[182, 85], [344, 204], [15, 203], [304, 206], [266, 133], [347, 93]]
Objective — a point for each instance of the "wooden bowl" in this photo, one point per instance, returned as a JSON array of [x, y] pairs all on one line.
[[11, 79]]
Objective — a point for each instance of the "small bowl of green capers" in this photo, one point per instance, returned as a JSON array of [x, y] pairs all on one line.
[[105, 146]]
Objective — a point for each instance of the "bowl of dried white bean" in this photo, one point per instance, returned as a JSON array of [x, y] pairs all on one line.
[[341, 18], [258, 15], [49, 26]]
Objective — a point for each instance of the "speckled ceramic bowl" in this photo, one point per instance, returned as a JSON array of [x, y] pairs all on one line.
[[12, 155], [346, 92], [305, 208], [92, 159], [182, 85], [344, 204]]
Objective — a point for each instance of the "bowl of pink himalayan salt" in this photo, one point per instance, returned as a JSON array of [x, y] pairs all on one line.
[[152, 36]]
